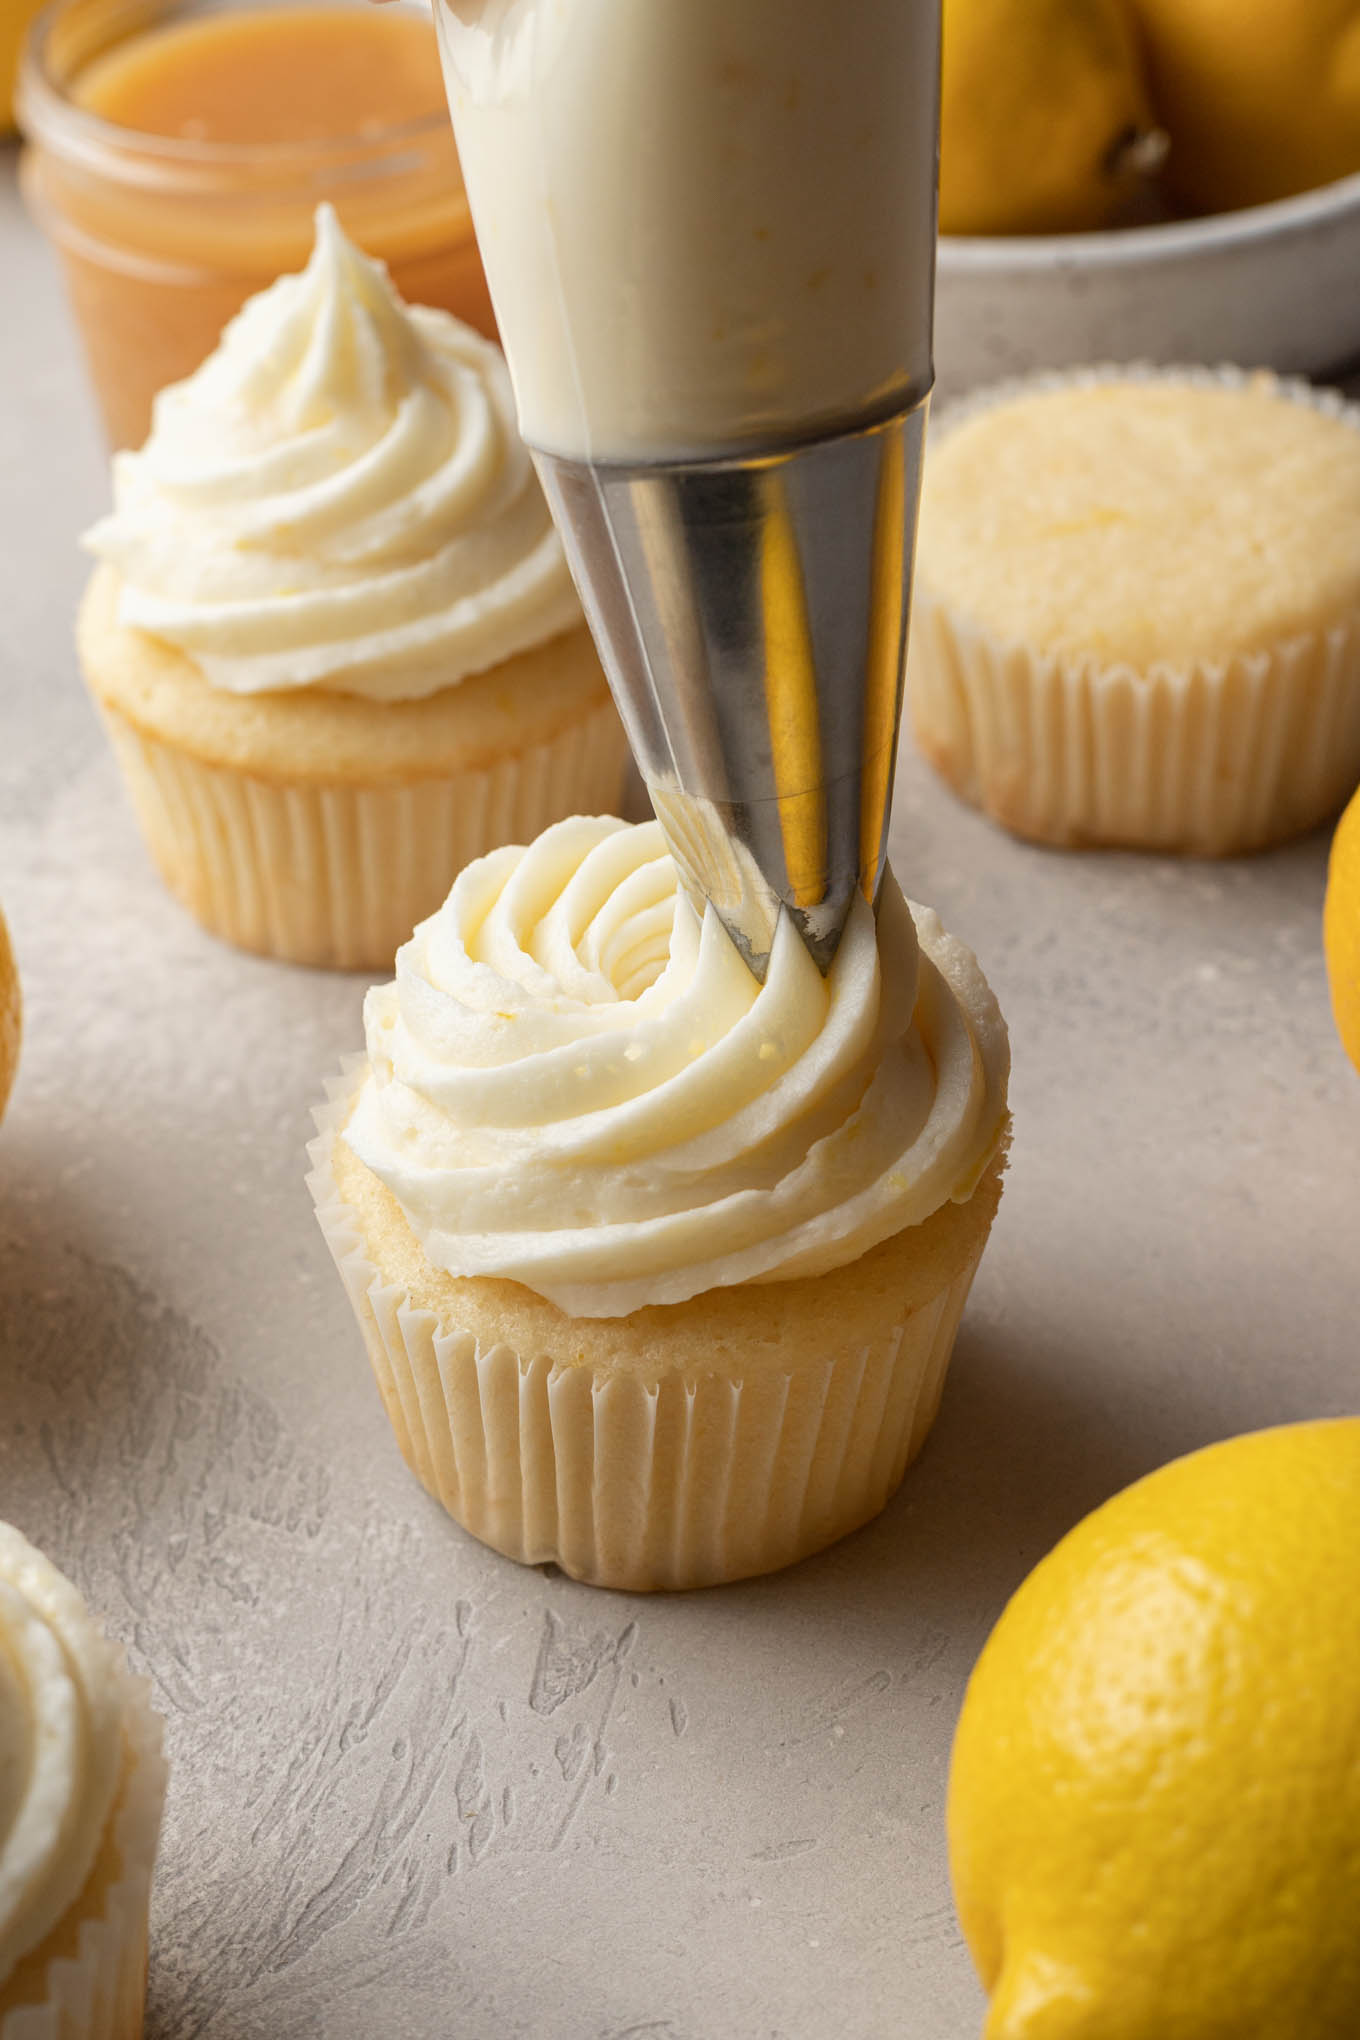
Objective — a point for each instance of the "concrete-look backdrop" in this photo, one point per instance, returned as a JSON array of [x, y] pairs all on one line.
[[418, 1792]]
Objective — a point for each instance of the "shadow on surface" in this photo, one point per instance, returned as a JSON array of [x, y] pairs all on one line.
[[1029, 1439]]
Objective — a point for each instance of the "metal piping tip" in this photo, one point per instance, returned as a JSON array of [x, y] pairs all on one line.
[[751, 614]]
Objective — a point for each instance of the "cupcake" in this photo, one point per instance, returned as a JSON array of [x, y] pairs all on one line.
[[11, 1016], [1137, 611], [332, 633], [659, 1268], [82, 1783]]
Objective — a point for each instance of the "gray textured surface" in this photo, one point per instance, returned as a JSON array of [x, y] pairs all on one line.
[[418, 1792]]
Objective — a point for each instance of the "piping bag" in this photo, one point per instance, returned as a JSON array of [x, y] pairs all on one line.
[[708, 227]]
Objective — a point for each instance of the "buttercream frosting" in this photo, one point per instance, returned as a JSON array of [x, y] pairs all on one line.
[[577, 1084], [338, 498], [61, 1719], [705, 226]]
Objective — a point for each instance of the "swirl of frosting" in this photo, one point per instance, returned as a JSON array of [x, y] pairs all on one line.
[[61, 1743], [339, 498], [576, 1084]]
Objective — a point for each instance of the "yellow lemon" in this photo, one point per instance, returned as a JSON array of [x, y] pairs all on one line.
[[1154, 1801], [1044, 117], [10, 1014], [15, 16], [1261, 98], [1341, 928]]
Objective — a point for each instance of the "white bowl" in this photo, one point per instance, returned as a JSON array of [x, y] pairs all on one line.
[[1274, 286]]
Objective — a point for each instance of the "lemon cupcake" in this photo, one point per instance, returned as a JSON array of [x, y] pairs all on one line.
[[82, 1784], [1137, 611], [659, 1268], [11, 1016], [333, 635]]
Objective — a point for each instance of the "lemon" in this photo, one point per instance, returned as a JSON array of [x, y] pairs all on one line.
[[10, 1014], [1341, 928], [1261, 98], [1042, 113], [15, 16], [1154, 1801]]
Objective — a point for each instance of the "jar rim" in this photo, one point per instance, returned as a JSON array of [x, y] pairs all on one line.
[[49, 116]]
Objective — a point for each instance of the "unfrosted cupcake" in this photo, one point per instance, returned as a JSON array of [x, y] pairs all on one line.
[[11, 1016], [82, 1784], [333, 637], [1137, 611], [659, 1269]]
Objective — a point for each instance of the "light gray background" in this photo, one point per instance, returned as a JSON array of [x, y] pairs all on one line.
[[417, 1791]]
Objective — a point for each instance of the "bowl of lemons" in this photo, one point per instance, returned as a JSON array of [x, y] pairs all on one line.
[[1159, 180]]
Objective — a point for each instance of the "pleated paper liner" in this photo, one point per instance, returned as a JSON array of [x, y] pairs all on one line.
[[87, 1981], [1212, 758], [690, 1479], [340, 875]]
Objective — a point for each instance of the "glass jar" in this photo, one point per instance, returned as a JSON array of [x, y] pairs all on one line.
[[162, 239]]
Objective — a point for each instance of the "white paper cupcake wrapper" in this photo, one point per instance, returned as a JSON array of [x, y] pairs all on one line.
[[691, 1482], [1213, 758], [100, 1993], [339, 875]]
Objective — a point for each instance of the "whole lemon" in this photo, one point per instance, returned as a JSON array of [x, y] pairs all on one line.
[[1043, 106], [10, 1015], [1154, 1802], [1341, 928], [1261, 98]]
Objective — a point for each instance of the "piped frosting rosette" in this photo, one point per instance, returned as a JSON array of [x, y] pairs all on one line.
[[81, 1789], [338, 497], [576, 1084], [333, 635], [60, 1745]]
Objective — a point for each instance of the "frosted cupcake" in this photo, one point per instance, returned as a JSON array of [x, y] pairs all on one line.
[[82, 1784], [11, 1016], [1137, 611], [659, 1269], [333, 636]]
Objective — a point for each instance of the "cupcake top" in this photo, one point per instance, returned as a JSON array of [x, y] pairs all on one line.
[[1133, 521], [576, 1084], [338, 498], [61, 1744]]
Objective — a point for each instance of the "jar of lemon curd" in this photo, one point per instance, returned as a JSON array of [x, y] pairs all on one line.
[[178, 150]]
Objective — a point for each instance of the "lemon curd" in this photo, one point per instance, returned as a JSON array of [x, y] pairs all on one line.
[[178, 169], [291, 74]]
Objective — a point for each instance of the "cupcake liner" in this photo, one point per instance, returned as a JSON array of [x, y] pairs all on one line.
[[99, 1992], [689, 1481], [339, 875], [1212, 758]]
